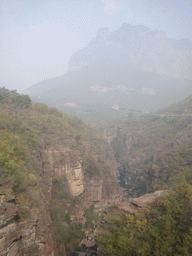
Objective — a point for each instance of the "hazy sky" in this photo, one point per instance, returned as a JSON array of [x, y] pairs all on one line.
[[37, 37]]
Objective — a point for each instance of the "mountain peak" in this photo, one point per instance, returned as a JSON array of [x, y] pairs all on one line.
[[103, 31], [103, 34], [127, 27], [137, 58]]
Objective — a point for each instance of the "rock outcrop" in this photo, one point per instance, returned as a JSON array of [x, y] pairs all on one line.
[[30, 235], [135, 204], [67, 163]]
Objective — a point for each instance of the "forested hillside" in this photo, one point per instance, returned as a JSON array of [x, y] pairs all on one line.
[[58, 179], [163, 228], [154, 153], [152, 148], [52, 167]]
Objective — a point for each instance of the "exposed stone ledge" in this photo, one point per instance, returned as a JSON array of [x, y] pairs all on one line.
[[134, 204]]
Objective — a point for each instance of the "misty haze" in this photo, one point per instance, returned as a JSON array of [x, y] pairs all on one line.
[[96, 128]]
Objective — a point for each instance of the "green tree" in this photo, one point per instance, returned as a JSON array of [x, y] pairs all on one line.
[[165, 229]]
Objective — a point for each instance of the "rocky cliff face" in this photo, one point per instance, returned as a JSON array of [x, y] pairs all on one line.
[[66, 162], [51, 166], [149, 50], [133, 205], [24, 230]]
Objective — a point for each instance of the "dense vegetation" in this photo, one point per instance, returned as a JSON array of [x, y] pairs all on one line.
[[25, 127], [151, 149], [26, 131], [154, 153], [165, 228]]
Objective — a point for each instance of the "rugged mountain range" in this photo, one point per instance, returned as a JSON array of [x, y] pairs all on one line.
[[131, 68]]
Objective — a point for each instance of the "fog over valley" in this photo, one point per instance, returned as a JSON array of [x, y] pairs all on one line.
[[39, 37], [95, 128]]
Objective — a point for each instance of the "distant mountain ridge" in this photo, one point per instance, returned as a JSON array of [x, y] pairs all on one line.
[[183, 107], [131, 68], [148, 49]]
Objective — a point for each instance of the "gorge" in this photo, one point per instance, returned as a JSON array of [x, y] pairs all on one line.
[[114, 178], [58, 174]]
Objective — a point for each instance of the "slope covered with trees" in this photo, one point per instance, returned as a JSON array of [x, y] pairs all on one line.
[[45, 157], [154, 153], [53, 168], [164, 228], [152, 148]]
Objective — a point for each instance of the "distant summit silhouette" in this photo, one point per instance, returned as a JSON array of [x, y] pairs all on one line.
[[133, 67], [149, 49]]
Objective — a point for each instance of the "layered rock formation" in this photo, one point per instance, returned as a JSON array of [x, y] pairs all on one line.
[[135, 204], [30, 235], [67, 163]]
